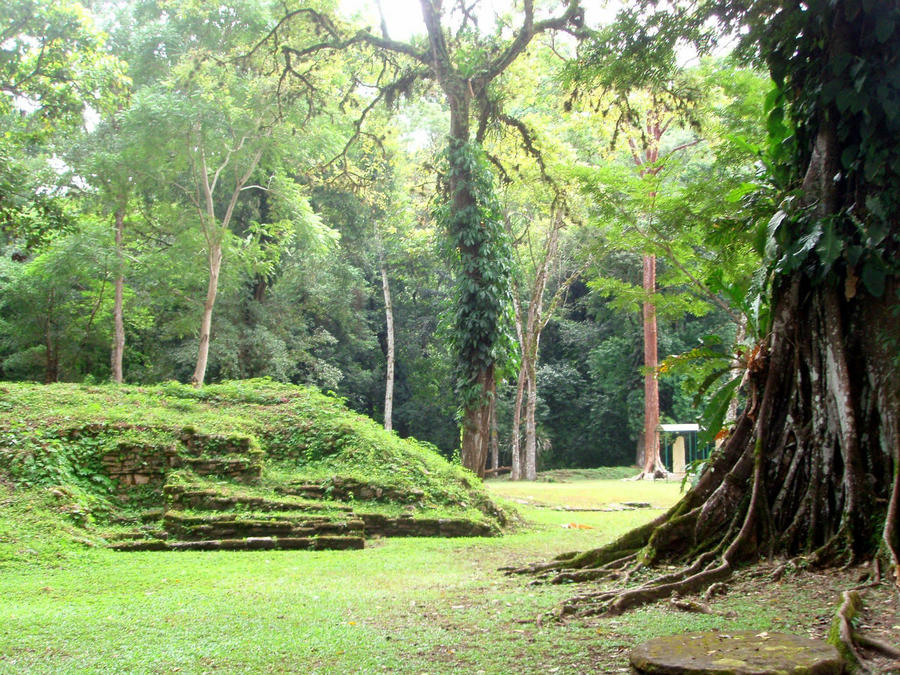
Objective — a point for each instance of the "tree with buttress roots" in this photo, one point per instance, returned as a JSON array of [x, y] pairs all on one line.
[[811, 466]]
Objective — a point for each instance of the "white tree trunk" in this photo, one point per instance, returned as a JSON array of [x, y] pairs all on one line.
[[530, 427], [215, 264], [389, 375], [118, 346], [215, 235], [516, 440]]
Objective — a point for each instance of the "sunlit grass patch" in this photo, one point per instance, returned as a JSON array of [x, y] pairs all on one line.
[[588, 493]]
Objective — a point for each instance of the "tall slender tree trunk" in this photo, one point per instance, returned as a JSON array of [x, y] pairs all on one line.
[[51, 364], [215, 234], [215, 264], [530, 424], [652, 465], [534, 326], [516, 472], [389, 370], [118, 346], [495, 438]]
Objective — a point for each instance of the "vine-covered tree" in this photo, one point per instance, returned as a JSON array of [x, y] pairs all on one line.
[[812, 465], [464, 62]]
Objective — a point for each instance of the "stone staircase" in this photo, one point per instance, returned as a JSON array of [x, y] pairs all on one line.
[[200, 517], [232, 512]]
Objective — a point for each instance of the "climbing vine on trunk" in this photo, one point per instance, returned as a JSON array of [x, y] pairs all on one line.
[[480, 254]]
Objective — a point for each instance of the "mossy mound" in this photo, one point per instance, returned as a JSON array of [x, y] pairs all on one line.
[[249, 449]]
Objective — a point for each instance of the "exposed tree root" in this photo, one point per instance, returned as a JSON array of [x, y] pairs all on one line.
[[850, 641], [877, 645], [842, 629]]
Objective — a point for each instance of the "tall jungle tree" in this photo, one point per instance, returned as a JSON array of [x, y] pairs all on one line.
[[464, 62], [812, 466]]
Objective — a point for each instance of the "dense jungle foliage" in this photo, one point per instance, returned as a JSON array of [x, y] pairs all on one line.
[[175, 172]]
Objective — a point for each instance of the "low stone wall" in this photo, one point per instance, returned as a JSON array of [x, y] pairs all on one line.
[[384, 526], [189, 497], [342, 488], [135, 463], [140, 463]]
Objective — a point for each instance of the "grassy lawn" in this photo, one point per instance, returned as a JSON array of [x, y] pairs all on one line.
[[588, 494], [400, 605]]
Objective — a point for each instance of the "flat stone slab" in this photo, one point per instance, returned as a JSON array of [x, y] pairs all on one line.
[[737, 653]]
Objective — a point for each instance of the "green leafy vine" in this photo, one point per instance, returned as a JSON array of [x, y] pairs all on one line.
[[480, 253]]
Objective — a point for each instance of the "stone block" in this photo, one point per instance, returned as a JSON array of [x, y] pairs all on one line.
[[735, 653]]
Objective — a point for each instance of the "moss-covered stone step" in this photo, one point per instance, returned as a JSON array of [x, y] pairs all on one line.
[[240, 469], [337, 543], [137, 535], [344, 488], [377, 524], [198, 444], [228, 525], [304, 490], [187, 497]]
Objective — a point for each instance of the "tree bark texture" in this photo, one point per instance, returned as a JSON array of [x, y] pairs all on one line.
[[495, 438], [476, 427], [531, 428], [653, 467], [811, 467], [389, 368], [51, 363], [515, 435], [118, 346], [212, 288], [516, 440], [646, 162]]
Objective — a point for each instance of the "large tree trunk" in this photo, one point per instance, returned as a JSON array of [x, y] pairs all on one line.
[[476, 426], [461, 86], [653, 467], [389, 369], [215, 264], [476, 410], [810, 467], [118, 346]]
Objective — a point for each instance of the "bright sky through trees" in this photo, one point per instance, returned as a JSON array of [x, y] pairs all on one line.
[[404, 17]]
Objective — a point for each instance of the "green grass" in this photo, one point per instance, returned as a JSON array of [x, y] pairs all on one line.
[[588, 494], [69, 605], [400, 605]]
